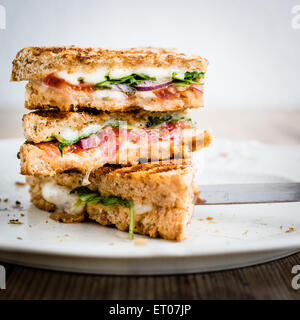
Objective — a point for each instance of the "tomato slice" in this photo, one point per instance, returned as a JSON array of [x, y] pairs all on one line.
[[52, 81]]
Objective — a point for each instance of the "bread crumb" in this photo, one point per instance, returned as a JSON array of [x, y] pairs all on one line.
[[20, 184], [22, 215], [281, 227], [291, 229], [19, 238], [223, 155], [140, 242], [209, 218], [200, 219], [15, 221], [5, 200], [67, 235]]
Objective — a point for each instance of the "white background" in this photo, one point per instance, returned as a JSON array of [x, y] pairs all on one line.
[[253, 50]]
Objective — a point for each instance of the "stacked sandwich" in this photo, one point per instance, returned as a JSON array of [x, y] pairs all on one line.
[[110, 139]]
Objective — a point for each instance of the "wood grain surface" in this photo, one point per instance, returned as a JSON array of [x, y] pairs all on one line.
[[266, 281]]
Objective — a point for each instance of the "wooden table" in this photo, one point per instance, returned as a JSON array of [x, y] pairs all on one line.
[[267, 281]]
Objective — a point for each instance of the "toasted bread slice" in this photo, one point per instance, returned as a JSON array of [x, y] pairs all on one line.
[[162, 196], [33, 63]]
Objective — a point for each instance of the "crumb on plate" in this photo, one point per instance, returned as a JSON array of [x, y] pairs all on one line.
[[291, 229], [15, 221], [140, 242], [20, 184]]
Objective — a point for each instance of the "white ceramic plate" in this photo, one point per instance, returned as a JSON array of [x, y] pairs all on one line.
[[238, 235]]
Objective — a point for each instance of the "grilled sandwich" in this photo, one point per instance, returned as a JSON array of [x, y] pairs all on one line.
[[110, 138], [69, 78]]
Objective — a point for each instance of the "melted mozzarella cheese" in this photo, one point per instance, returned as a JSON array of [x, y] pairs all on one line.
[[60, 196], [142, 208], [99, 74], [69, 134], [146, 94], [93, 77], [110, 94]]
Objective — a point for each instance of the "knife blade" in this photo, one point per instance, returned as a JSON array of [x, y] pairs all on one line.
[[248, 193]]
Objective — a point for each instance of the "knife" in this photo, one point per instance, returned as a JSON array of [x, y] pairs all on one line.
[[248, 193]]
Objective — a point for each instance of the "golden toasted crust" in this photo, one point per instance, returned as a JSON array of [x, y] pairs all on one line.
[[36, 62], [164, 184], [40, 125], [166, 223]]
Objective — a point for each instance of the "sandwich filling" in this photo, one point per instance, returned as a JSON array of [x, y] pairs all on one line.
[[74, 201], [159, 83], [114, 135]]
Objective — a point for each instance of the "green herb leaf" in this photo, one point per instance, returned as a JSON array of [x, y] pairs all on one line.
[[90, 197], [189, 78], [60, 148], [76, 205], [50, 139], [130, 80], [86, 195], [155, 121], [131, 222]]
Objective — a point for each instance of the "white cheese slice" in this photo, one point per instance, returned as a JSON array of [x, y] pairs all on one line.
[[146, 94], [60, 196], [69, 134], [142, 208], [93, 77], [110, 94]]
